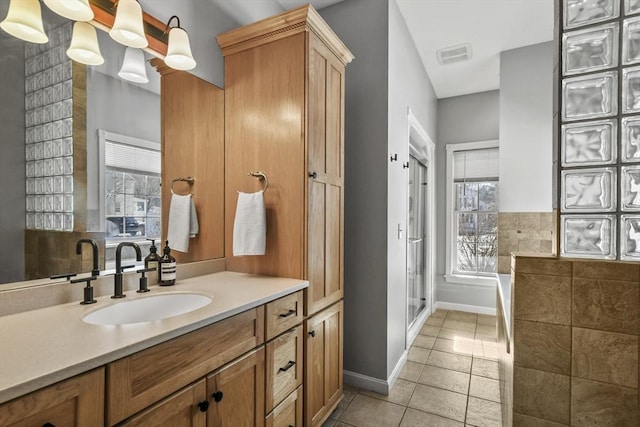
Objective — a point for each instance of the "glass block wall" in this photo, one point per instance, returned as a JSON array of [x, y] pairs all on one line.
[[599, 141], [49, 129]]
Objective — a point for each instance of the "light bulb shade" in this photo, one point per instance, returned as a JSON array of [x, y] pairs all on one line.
[[84, 46], [24, 21], [128, 28], [179, 55], [77, 10], [133, 68]]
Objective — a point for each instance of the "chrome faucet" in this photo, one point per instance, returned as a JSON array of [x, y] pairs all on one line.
[[94, 247], [117, 290]]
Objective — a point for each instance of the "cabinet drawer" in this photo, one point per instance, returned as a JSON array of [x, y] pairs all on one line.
[[284, 366], [288, 413], [139, 380], [283, 313]]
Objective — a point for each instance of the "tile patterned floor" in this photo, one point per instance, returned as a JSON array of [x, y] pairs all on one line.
[[449, 380]]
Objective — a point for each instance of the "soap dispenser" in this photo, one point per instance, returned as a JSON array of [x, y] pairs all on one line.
[[167, 272], [153, 259]]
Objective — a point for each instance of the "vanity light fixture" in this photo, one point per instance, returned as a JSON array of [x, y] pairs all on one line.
[[84, 46], [128, 27], [134, 68], [179, 55], [76, 10], [24, 21]]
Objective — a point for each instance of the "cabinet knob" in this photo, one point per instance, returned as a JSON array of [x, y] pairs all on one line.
[[313, 333], [288, 313], [203, 406], [313, 174], [48, 425], [288, 366], [217, 396]]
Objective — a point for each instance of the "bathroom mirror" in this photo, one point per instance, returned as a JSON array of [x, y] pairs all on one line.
[[80, 155]]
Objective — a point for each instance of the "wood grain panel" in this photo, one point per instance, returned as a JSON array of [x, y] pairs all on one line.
[[317, 245], [178, 410], [192, 113], [242, 386], [142, 379], [78, 401], [283, 314], [288, 413], [264, 130], [333, 237], [280, 353]]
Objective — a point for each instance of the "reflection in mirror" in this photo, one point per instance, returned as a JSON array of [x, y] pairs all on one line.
[[80, 154]]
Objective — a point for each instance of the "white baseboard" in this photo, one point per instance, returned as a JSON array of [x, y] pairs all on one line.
[[464, 307], [375, 384]]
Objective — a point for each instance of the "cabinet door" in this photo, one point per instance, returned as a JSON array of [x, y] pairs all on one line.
[[236, 393], [186, 408], [323, 364], [78, 401], [325, 86]]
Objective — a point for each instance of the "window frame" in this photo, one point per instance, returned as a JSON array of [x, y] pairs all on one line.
[[451, 275]]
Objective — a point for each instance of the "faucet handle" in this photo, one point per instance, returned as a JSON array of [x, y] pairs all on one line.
[[66, 276], [88, 289], [144, 286], [127, 266]]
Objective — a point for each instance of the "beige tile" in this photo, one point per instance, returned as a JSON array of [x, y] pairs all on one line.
[[411, 371], [547, 221], [487, 330], [439, 313], [457, 362], [485, 347], [424, 341], [507, 245], [462, 316], [542, 346], [504, 264], [541, 394], [339, 424], [418, 354], [542, 298], [440, 402], [521, 420], [445, 379], [606, 304], [605, 356], [435, 321], [485, 388], [529, 246], [546, 246], [544, 266], [429, 330], [486, 319], [365, 411], [528, 221], [483, 413], [400, 393], [507, 221], [415, 418], [457, 345], [485, 368], [459, 325], [598, 404], [607, 270], [329, 423], [451, 334], [349, 394]]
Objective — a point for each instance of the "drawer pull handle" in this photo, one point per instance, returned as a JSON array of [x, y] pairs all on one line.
[[217, 396], [288, 313], [203, 406], [289, 365], [49, 424], [313, 333]]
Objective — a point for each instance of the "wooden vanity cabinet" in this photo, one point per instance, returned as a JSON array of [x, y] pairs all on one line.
[[78, 401]]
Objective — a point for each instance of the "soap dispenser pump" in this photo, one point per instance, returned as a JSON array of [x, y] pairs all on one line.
[[167, 272], [153, 259]]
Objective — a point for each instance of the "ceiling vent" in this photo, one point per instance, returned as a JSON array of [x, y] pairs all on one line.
[[458, 53]]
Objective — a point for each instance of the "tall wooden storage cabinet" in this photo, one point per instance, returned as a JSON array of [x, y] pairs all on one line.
[[284, 116]]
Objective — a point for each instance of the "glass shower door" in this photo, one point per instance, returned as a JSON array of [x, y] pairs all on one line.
[[416, 236]]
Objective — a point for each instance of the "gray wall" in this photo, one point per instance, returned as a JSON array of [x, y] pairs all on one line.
[[12, 160], [466, 118], [526, 140], [362, 26]]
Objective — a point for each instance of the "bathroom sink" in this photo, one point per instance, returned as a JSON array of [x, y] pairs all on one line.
[[147, 309]]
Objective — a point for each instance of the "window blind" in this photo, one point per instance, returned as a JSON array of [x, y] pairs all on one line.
[[123, 156], [475, 165]]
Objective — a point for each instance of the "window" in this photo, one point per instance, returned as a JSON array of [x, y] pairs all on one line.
[[472, 211]]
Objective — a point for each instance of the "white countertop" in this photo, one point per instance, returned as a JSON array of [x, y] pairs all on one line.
[[41, 347]]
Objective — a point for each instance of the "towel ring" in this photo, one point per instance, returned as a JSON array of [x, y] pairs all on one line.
[[261, 175], [188, 180]]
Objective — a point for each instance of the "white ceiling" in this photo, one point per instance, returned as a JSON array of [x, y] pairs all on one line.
[[490, 26]]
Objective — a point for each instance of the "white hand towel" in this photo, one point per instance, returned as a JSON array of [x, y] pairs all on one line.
[[250, 225], [183, 222]]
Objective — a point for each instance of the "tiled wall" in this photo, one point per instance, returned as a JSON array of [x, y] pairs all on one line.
[[575, 342], [532, 233]]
